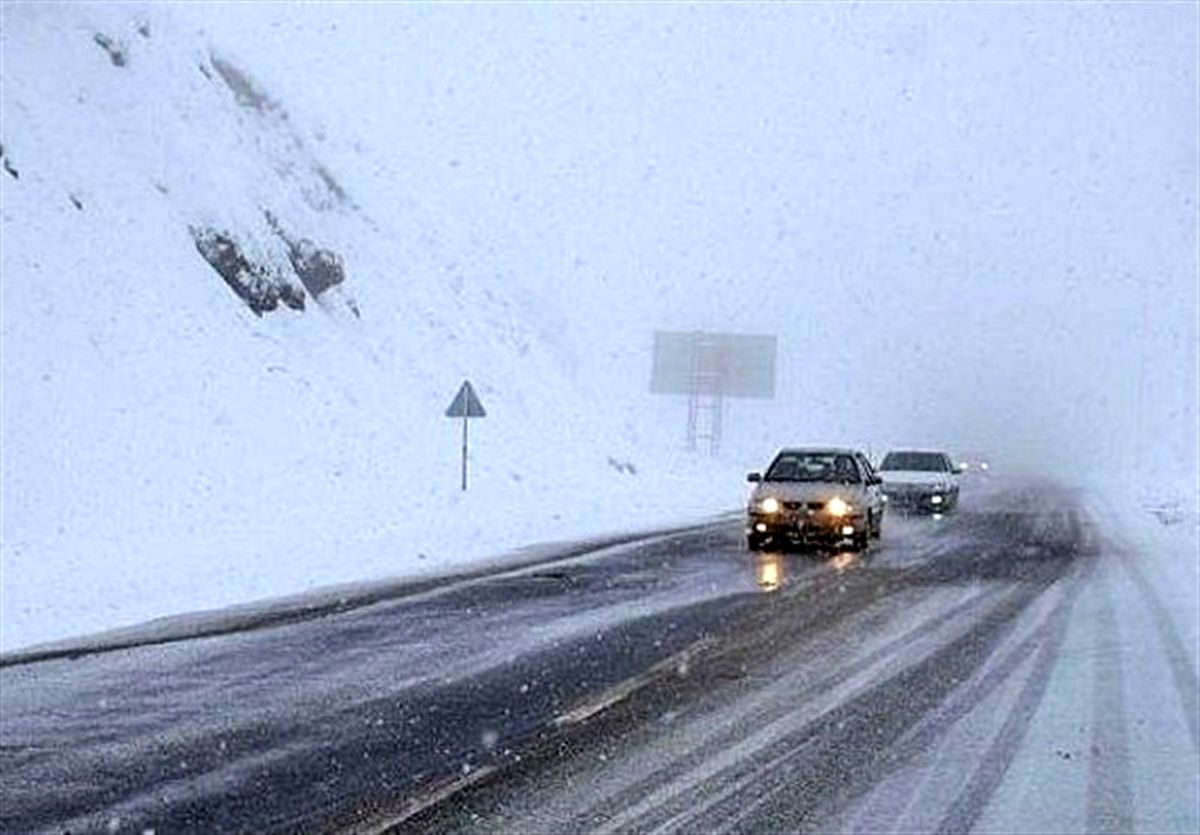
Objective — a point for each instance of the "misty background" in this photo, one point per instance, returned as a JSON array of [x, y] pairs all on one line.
[[969, 226]]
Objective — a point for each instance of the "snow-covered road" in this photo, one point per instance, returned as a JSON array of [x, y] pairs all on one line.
[[1014, 667]]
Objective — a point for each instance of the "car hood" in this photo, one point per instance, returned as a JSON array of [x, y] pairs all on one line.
[[807, 491], [922, 478]]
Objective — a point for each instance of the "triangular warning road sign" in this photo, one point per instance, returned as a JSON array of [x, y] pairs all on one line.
[[466, 404]]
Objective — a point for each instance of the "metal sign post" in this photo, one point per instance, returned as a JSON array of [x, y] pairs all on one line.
[[464, 454], [465, 405]]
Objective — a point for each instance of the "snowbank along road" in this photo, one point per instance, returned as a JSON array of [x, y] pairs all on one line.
[[674, 683]]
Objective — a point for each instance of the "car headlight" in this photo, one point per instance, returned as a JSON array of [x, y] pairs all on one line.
[[837, 507], [769, 505], [936, 499]]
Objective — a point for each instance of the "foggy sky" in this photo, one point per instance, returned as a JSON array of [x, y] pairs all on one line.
[[970, 224]]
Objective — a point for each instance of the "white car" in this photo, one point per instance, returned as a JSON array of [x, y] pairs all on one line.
[[815, 497], [921, 481]]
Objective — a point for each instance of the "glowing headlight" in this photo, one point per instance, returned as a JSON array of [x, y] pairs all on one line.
[[769, 505], [936, 500], [837, 507]]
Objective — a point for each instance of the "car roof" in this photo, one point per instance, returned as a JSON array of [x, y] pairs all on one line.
[[819, 450], [917, 449]]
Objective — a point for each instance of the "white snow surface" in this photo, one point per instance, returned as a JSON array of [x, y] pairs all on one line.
[[521, 196], [166, 450], [1113, 745]]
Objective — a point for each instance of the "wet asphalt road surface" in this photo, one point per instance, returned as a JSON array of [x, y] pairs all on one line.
[[676, 683]]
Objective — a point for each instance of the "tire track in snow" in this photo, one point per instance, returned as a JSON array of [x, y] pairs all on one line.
[[808, 767], [939, 799], [680, 784], [848, 748], [1183, 670], [968, 806], [1110, 784]]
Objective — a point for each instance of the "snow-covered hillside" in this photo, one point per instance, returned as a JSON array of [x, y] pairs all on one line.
[[168, 448], [952, 250]]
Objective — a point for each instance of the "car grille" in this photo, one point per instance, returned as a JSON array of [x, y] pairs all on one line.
[[802, 505], [913, 490]]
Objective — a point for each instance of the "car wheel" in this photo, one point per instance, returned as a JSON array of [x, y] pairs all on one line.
[[875, 526], [862, 540], [754, 543]]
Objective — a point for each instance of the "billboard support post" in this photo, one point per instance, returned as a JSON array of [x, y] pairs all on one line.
[[707, 368]]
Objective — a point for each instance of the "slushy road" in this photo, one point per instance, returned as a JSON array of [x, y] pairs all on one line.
[[674, 682]]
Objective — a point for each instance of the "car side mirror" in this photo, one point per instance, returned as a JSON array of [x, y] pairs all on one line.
[[754, 477]]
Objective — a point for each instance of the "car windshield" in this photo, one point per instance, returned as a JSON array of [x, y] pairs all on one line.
[[814, 466], [933, 462]]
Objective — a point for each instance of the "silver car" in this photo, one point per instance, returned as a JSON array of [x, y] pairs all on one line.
[[815, 497], [920, 481]]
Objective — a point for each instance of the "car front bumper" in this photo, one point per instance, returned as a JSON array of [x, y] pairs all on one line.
[[819, 528], [924, 500]]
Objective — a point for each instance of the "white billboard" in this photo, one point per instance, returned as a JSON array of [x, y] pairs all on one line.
[[715, 364]]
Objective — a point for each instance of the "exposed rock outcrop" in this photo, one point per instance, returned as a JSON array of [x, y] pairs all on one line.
[[260, 287], [114, 48], [318, 269]]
